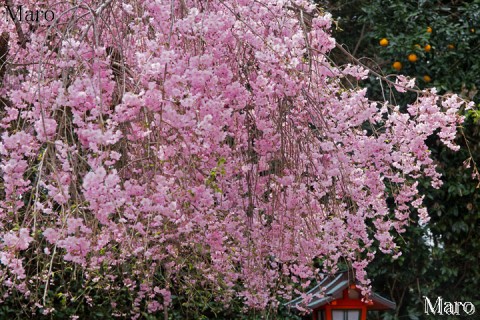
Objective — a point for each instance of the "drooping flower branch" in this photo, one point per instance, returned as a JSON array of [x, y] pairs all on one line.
[[171, 145]]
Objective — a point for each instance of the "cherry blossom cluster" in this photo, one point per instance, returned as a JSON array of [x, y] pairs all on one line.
[[163, 147]]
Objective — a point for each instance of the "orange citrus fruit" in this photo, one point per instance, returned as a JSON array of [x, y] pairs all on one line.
[[427, 78], [451, 47], [427, 48], [417, 46], [397, 65], [429, 29], [412, 57], [472, 30], [384, 42]]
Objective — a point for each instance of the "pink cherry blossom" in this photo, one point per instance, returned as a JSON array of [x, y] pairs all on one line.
[[201, 145]]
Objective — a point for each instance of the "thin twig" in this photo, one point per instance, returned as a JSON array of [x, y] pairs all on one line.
[[102, 6], [375, 73], [362, 36]]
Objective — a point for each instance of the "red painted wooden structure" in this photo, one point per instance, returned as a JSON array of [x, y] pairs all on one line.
[[341, 299]]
